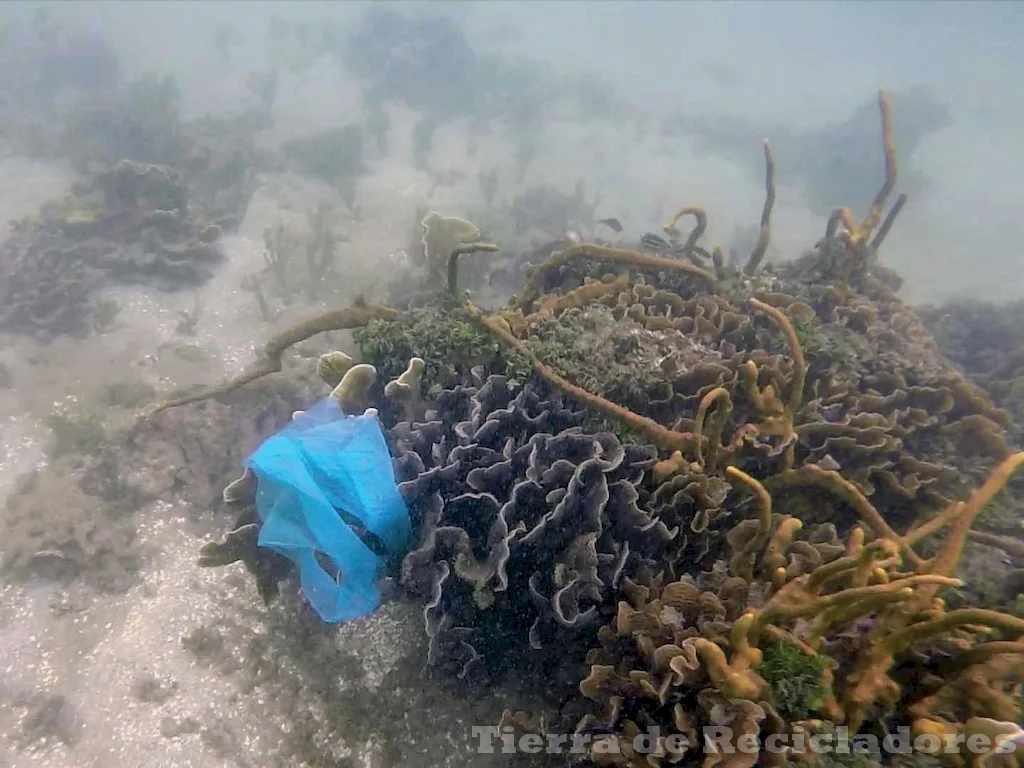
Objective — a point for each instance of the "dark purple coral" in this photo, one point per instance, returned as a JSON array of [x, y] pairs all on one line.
[[526, 524]]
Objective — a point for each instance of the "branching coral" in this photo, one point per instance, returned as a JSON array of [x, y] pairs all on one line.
[[701, 225], [453, 261], [338, 319], [764, 234], [599, 253], [406, 388], [796, 385], [702, 639], [131, 224], [847, 246]]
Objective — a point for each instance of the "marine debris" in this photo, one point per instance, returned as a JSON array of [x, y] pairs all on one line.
[[724, 496]]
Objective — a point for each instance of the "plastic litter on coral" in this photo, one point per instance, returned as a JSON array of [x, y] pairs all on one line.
[[322, 465]]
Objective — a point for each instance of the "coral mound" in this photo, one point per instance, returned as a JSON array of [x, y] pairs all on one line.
[[131, 224], [757, 479]]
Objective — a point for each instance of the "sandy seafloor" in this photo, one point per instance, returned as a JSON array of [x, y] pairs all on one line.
[[163, 674]]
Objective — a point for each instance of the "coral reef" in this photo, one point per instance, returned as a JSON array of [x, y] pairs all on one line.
[[986, 341], [138, 121], [873, 638], [131, 224], [46, 64], [744, 485], [213, 158]]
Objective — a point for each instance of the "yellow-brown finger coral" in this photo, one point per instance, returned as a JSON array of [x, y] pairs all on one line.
[[464, 250], [700, 217], [764, 235], [405, 390], [332, 367], [796, 390], [353, 391], [334, 320], [599, 253], [707, 636]]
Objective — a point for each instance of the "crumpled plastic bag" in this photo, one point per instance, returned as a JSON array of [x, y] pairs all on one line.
[[322, 468]]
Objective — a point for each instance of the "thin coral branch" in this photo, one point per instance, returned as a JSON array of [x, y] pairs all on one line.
[[743, 562], [716, 394], [793, 601], [964, 617], [664, 438], [937, 523], [812, 474], [855, 561], [874, 213], [764, 237], [701, 217], [589, 252], [949, 555], [735, 677], [718, 262], [796, 391], [840, 216], [869, 681], [986, 651], [453, 261], [335, 320], [762, 403], [1009, 546], [890, 219], [764, 517], [856, 235]]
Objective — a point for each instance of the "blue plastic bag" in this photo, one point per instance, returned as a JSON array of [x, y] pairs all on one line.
[[323, 462]]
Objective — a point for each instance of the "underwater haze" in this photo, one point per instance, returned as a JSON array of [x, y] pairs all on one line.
[[511, 383], [792, 72]]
